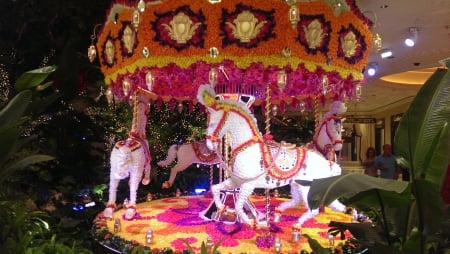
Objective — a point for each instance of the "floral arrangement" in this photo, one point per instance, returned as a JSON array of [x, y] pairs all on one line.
[[249, 66]]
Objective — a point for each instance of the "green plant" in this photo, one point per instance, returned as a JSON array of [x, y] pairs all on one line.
[[205, 248], [408, 216]]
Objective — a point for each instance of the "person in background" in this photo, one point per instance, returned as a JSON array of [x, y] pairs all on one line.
[[387, 163], [369, 162]]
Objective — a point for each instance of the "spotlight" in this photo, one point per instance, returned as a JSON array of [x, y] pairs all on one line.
[[372, 69], [385, 53], [411, 40]]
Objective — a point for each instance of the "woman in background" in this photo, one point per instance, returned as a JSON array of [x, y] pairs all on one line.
[[369, 163]]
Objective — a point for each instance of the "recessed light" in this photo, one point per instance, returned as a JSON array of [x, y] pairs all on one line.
[[384, 6]]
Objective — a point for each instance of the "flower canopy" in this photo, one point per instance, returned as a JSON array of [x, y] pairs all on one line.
[[299, 50]]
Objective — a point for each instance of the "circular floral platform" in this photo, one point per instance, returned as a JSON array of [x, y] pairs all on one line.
[[176, 221]]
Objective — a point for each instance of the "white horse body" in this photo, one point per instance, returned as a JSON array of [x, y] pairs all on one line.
[[187, 154], [130, 158], [252, 167]]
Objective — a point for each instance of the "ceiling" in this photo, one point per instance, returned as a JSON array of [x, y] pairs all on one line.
[[393, 18]]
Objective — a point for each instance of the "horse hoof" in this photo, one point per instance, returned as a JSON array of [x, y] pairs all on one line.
[[108, 212], [146, 180], [129, 213], [166, 185]]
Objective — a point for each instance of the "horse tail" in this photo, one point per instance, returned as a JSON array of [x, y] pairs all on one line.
[[171, 156]]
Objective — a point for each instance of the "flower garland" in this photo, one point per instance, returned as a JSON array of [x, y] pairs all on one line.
[[179, 68]]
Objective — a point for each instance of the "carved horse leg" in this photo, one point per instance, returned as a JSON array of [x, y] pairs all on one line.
[[135, 178], [246, 189], [228, 184], [180, 166], [110, 207]]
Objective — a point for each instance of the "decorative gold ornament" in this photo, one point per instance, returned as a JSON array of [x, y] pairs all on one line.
[[141, 6], [181, 28], [286, 52], [246, 26], [213, 52], [325, 84], [314, 34], [358, 92], [110, 50], [145, 52], [294, 15], [149, 80], [349, 44], [117, 226], [281, 79], [128, 39]]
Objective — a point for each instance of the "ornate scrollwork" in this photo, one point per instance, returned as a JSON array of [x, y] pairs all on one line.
[[246, 26], [181, 28]]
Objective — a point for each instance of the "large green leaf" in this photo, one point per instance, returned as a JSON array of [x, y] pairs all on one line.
[[438, 156], [430, 202], [14, 110], [33, 78], [11, 167], [423, 120], [326, 190]]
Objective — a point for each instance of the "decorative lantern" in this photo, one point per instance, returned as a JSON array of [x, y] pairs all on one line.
[[109, 96], [135, 20], [149, 237], [325, 84], [294, 15], [126, 86], [117, 225], [358, 92], [92, 53], [331, 240], [296, 232], [277, 245], [213, 77], [149, 80], [209, 244], [281, 79]]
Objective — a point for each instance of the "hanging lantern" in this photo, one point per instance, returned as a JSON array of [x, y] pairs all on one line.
[[294, 15], [281, 79], [377, 42], [141, 6], [213, 77], [149, 80], [296, 232], [109, 96], [358, 92], [126, 87], [277, 245], [135, 19], [209, 244], [92, 53], [325, 84]]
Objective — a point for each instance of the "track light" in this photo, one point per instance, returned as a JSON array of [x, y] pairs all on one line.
[[386, 53], [411, 40], [372, 69]]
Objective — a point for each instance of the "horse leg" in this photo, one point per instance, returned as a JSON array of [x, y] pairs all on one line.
[[215, 190], [295, 200], [180, 166], [246, 189], [146, 179], [309, 213], [134, 184], [111, 205]]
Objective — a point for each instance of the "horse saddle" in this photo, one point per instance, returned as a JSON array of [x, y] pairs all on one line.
[[285, 159], [202, 152], [133, 144]]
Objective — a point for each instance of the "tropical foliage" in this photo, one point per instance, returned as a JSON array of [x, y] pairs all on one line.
[[407, 217]]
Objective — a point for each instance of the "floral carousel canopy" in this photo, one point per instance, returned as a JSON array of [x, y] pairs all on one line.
[[301, 51]]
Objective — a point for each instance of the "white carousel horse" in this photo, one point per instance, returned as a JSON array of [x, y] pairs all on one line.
[[328, 134], [130, 158], [187, 154], [255, 164]]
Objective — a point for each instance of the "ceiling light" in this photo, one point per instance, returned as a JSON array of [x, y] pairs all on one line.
[[385, 53], [411, 40], [372, 69]]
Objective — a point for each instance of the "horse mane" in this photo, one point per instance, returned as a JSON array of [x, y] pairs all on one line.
[[240, 109]]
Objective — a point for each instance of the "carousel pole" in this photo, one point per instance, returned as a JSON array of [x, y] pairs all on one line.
[[267, 132]]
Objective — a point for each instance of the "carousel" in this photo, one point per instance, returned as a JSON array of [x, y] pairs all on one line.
[[230, 57]]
